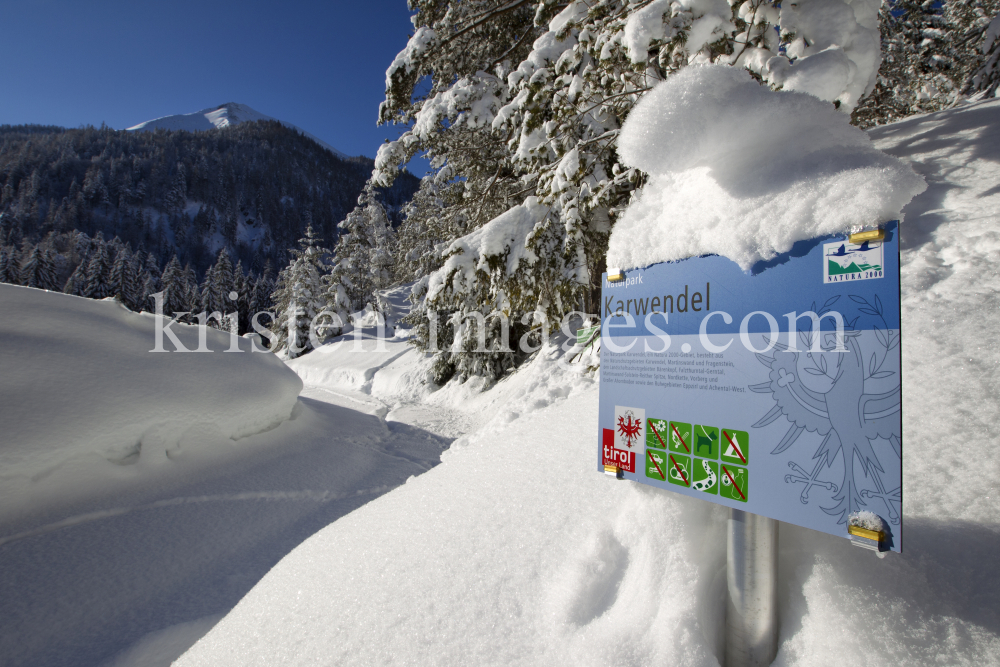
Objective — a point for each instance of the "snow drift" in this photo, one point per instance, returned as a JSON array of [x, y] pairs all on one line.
[[740, 171], [83, 395]]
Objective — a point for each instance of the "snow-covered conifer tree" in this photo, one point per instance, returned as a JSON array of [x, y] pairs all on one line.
[[419, 236], [520, 123], [15, 263], [241, 305], [931, 53], [364, 259], [123, 280], [205, 295], [299, 297], [381, 244], [216, 288], [192, 294], [986, 79], [5, 265], [347, 283], [174, 288], [151, 281], [40, 271], [260, 300], [98, 272], [76, 284]]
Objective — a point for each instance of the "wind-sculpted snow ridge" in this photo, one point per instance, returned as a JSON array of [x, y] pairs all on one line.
[[740, 171], [86, 402]]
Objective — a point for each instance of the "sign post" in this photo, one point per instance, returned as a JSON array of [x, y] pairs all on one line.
[[776, 393], [752, 595]]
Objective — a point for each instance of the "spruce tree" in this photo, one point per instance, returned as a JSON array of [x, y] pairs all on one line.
[[98, 273], [17, 260], [348, 279], [260, 301], [39, 271], [174, 288], [364, 261], [5, 264], [985, 80], [122, 280], [299, 297], [206, 295], [216, 288], [243, 296], [151, 268], [192, 296], [140, 283], [76, 284]]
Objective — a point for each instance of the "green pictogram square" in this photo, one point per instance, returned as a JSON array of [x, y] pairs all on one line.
[[657, 464], [705, 441], [734, 482], [657, 433], [680, 438], [679, 471], [735, 447], [705, 476]]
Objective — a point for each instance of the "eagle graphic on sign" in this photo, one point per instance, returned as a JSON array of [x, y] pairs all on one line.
[[824, 392], [629, 428]]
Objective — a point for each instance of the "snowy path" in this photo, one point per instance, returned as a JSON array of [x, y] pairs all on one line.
[[77, 588]]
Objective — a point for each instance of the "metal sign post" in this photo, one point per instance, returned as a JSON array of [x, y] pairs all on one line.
[[752, 596]]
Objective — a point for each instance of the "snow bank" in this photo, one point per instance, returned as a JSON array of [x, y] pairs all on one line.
[[348, 362], [84, 399], [739, 171]]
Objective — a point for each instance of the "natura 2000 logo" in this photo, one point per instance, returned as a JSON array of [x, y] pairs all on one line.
[[843, 261]]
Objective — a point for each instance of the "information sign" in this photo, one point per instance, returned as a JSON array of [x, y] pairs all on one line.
[[775, 391]]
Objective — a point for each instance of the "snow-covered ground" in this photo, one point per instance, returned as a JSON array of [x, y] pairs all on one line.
[[514, 551], [224, 115], [143, 494]]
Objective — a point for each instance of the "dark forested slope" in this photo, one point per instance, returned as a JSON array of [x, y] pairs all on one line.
[[250, 189]]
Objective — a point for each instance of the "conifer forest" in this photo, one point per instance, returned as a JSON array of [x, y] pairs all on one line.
[[101, 213]]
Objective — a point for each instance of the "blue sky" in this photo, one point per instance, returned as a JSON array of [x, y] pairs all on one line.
[[318, 65]]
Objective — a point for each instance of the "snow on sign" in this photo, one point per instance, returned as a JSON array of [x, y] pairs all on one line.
[[775, 391]]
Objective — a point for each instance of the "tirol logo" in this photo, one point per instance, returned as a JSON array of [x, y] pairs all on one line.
[[843, 261], [630, 427]]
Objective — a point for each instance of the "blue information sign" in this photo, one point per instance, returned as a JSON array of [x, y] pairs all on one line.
[[775, 391]]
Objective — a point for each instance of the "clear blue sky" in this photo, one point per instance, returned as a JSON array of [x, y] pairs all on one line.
[[319, 65]]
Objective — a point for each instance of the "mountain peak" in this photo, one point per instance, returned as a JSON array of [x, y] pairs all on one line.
[[224, 115]]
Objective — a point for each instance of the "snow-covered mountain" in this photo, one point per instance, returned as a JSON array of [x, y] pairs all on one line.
[[224, 115]]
